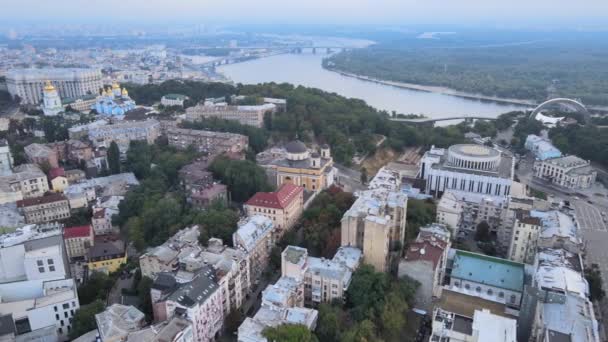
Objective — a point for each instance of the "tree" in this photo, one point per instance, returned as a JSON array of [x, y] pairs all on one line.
[[97, 287], [84, 318], [289, 333], [143, 292], [328, 324], [139, 158], [219, 222], [366, 293], [482, 233], [419, 214], [365, 331], [243, 177], [594, 279], [114, 158]]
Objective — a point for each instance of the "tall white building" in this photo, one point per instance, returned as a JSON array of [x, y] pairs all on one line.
[[51, 102], [6, 158], [29, 84]]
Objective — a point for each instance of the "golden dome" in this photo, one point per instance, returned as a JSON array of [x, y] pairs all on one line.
[[125, 92], [48, 86], [115, 85]]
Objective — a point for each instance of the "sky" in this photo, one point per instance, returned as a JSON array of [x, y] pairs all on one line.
[[307, 11]]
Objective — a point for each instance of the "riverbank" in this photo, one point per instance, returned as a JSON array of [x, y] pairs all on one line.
[[437, 89]]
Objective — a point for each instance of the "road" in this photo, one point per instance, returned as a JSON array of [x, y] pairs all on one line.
[[349, 179]]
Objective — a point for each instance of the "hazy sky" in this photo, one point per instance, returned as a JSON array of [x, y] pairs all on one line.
[[309, 11]]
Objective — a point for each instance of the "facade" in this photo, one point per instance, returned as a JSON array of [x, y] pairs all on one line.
[[483, 326], [246, 115], [78, 240], [26, 182], [569, 172], [450, 211], [490, 278], [6, 158], [297, 165], [123, 133], [106, 255], [50, 207], [80, 104], [541, 148], [524, 240], [375, 223], [198, 299], [58, 180], [467, 168], [255, 237], [425, 261], [41, 155], [283, 206], [173, 100], [117, 321], [29, 84], [209, 142], [51, 102], [201, 188], [114, 102]]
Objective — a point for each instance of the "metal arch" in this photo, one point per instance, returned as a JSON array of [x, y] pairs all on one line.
[[579, 105]]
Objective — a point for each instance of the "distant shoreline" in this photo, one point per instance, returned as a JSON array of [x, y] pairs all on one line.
[[438, 90]]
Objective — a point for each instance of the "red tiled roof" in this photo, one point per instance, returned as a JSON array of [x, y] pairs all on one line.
[[48, 198], [56, 172], [429, 249], [279, 199], [74, 232], [101, 213]]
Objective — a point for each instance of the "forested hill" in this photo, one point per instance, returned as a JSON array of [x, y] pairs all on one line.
[[349, 126], [535, 67]]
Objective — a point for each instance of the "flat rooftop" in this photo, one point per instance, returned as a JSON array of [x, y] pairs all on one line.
[[488, 270], [465, 305]]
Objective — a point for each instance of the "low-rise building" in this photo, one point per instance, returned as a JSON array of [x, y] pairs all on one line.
[[173, 100], [78, 240], [41, 155], [58, 180], [117, 321], [541, 148], [123, 133], [255, 237], [168, 256], [50, 207], [106, 254], [483, 326], [75, 176], [570, 172], [28, 181], [6, 158], [209, 142], [283, 206], [425, 261], [450, 211]]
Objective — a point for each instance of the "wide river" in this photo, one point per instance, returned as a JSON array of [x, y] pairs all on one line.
[[305, 69]]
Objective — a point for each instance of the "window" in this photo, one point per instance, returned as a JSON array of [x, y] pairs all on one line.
[[60, 331], [51, 268], [65, 314], [39, 262], [466, 286], [72, 312], [49, 261], [513, 298], [66, 306], [55, 309], [41, 269], [57, 316], [478, 289], [490, 292], [457, 284]]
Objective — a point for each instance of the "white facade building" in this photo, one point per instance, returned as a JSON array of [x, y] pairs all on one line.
[[450, 211], [254, 237], [6, 158], [51, 102], [569, 172]]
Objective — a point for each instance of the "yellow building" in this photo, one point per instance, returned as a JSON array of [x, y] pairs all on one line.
[[59, 183], [313, 171], [107, 256]]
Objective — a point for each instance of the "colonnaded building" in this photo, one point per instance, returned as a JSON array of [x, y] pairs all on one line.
[[467, 168], [29, 84]]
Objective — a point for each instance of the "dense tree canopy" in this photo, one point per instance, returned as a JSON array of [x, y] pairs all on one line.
[[243, 177], [84, 318], [289, 333]]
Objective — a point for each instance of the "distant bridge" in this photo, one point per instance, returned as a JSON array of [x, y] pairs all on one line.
[[562, 100], [431, 120]]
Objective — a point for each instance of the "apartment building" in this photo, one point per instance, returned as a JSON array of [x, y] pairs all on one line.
[[50, 207], [78, 240], [41, 155], [255, 237], [524, 240], [246, 115], [123, 133], [106, 254], [117, 321], [207, 141], [28, 181], [6, 158], [450, 211]]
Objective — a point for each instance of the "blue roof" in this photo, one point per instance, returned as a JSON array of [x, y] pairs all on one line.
[[488, 270]]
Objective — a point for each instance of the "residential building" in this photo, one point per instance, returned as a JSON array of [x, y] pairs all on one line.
[[569, 172], [559, 230], [123, 133], [101, 222], [255, 237], [425, 261], [80, 194], [526, 231], [541, 148], [325, 281], [117, 321], [80, 103], [467, 168], [78, 240], [41, 155], [107, 254], [176, 329], [58, 180], [246, 115], [201, 188], [173, 100], [375, 223], [75, 176], [283, 206], [28, 181], [450, 211], [298, 166], [29, 84], [209, 142], [494, 279], [6, 158], [167, 257], [82, 131], [199, 299], [47, 311], [483, 326], [50, 207], [205, 196]]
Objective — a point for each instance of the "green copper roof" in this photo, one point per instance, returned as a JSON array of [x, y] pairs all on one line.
[[488, 270]]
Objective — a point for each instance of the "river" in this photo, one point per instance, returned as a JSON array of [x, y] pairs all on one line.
[[305, 69]]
